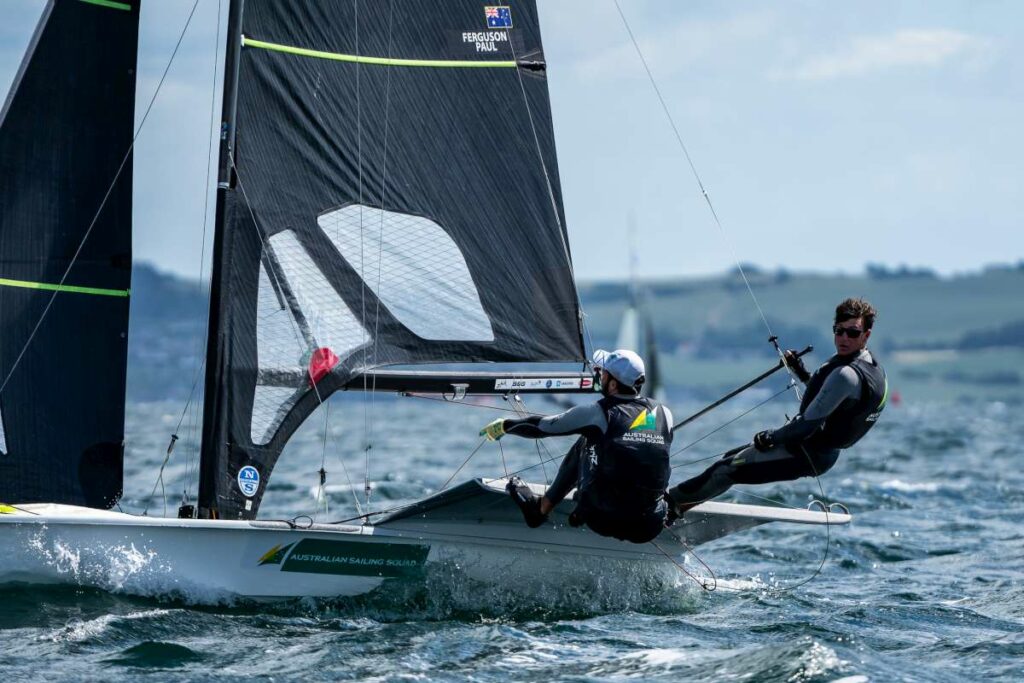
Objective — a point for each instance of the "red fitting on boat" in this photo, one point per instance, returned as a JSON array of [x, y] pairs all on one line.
[[321, 362]]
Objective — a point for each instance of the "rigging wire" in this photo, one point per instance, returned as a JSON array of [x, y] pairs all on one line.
[[459, 468], [103, 203], [298, 335], [720, 428], [679, 565], [739, 266], [380, 253], [562, 231], [320, 491], [519, 405], [693, 167], [424, 397], [192, 458], [362, 261]]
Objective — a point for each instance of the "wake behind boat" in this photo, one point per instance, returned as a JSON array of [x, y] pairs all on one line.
[[387, 197]]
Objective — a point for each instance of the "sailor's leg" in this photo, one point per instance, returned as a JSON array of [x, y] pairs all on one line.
[[570, 473], [712, 482], [776, 464]]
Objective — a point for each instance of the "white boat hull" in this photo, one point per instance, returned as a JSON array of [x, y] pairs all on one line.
[[473, 530]]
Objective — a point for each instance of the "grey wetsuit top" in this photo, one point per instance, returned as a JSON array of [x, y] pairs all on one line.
[[586, 420], [841, 385]]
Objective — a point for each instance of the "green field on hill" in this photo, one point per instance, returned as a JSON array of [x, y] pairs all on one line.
[[955, 337]]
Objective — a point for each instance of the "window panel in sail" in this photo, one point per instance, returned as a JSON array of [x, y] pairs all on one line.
[[298, 313], [415, 269]]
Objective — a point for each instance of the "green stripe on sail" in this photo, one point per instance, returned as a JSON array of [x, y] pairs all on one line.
[[382, 61], [24, 284], [109, 4]]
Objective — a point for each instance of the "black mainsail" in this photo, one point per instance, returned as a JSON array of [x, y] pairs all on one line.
[[66, 201], [389, 195]]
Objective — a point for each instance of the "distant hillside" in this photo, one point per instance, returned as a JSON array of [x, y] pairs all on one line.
[[916, 309], [939, 336], [166, 334]]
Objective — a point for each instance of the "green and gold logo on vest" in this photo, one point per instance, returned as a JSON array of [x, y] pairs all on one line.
[[644, 422]]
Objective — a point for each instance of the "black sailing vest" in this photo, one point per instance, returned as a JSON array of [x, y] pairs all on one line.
[[854, 417], [633, 468]]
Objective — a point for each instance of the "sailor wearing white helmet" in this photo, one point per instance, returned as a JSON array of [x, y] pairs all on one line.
[[620, 464]]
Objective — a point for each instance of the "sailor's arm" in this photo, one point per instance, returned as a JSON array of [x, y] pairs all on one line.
[[585, 420], [796, 365], [840, 385]]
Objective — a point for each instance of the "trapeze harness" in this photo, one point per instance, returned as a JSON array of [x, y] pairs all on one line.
[[809, 445], [624, 497], [620, 466], [852, 419]]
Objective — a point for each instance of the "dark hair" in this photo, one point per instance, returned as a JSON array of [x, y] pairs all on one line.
[[856, 308]]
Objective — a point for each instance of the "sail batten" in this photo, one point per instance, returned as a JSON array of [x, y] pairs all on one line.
[[412, 215], [53, 287], [380, 61]]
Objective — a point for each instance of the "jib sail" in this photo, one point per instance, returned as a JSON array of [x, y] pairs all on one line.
[[389, 196], [65, 227]]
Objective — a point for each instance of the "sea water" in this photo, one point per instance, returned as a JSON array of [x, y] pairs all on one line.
[[926, 584]]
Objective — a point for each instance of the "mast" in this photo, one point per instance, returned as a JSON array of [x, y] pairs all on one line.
[[215, 438]]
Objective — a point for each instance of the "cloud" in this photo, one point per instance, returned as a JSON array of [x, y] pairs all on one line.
[[672, 48], [904, 48]]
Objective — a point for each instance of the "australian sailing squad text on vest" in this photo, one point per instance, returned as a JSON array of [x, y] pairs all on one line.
[[854, 417], [632, 457]]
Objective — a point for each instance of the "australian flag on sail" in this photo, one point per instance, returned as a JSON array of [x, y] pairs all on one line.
[[498, 17]]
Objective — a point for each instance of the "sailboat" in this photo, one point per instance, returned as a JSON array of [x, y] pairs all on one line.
[[388, 197]]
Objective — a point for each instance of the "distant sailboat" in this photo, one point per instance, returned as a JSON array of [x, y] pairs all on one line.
[[388, 195]]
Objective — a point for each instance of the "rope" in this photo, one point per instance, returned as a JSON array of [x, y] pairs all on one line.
[[693, 167], [459, 468], [519, 405], [409, 394], [720, 428], [551, 193], [828, 531], [380, 253], [362, 263], [103, 203], [298, 335], [320, 492], [504, 465], [700, 582], [191, 458]]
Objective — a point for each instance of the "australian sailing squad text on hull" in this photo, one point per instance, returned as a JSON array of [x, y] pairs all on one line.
[[366, 561], [485, 41]]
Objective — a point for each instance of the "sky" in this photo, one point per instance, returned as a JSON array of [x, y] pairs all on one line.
[[828, 135]]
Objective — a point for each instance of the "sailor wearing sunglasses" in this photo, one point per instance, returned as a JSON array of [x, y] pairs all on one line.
[[842, 401]]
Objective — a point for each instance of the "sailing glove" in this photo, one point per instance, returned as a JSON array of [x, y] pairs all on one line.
[[494, 430], [763, 441], [796, 364]]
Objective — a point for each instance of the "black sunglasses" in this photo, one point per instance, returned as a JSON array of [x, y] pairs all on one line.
[[851, 332]]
